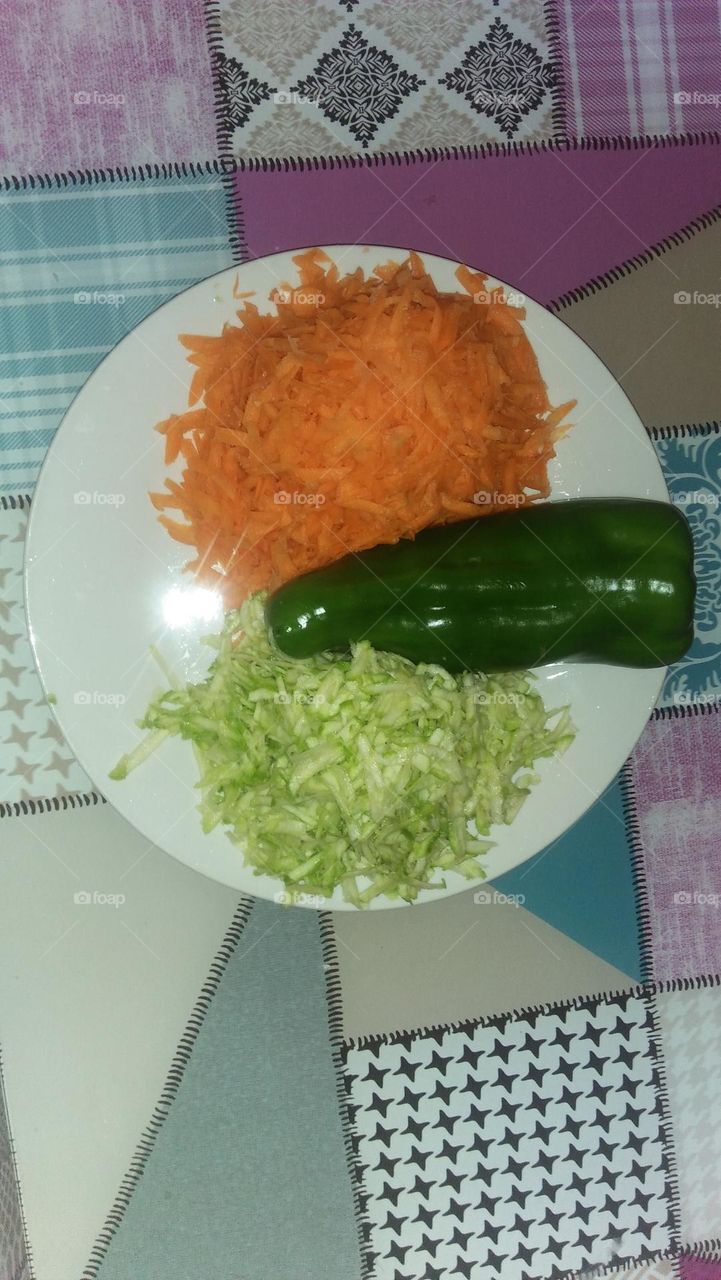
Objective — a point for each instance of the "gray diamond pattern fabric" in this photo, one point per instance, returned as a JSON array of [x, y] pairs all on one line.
[[328, 78]]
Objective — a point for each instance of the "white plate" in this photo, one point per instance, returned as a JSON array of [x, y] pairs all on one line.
[[104, 580]]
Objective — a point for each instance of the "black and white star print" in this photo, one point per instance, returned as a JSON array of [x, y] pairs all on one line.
[[539, 1169]]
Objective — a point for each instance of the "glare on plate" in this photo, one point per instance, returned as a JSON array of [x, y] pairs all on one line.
[[184, 605]]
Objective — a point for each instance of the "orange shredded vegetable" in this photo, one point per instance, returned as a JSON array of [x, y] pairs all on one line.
[[361, 411]]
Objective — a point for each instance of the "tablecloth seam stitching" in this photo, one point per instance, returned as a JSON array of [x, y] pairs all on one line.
[[14, 501], [214, 35], [680, 431], [171, 1086], [665, 1119], [50, 804], [707, 1250], [529, 1013], [284, 164], [334, 1000], [235, 218], [668, 986], [686, 709], [436, 1031], [333, 986], [618, 1266], [559, 113], [13, 1159], [629, 265], [638, 872]]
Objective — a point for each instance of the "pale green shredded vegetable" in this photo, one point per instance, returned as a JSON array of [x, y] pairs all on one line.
[[360, 771]]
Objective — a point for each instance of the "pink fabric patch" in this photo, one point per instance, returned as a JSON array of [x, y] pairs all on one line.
[[596, 90], [114, 83], [676, 771], [545, 222], [699, 58], [640, 69], [695, 1269]]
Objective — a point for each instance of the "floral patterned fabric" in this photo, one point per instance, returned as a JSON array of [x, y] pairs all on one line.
[[692, 465], [304, 80]]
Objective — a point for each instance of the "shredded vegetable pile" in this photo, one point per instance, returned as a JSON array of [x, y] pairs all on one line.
[[360, 772], [362, 411]]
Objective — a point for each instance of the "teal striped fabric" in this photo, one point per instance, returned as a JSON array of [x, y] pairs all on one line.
[[79, 269]]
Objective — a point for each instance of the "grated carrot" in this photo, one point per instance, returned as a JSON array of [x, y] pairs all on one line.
[[363, 410]]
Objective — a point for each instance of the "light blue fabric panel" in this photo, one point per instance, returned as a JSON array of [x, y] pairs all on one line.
[[80, 268]]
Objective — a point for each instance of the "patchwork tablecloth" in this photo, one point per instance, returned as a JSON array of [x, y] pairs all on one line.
[[523, 1081]]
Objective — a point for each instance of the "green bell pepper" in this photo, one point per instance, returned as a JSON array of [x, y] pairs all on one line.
[[596, 580]]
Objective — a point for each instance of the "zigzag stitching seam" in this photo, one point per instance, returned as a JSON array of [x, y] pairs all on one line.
[[436, 1031], [643, 912], [50, 804], [626, 268], [170, 1088], [334, 997], [234, 164]]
